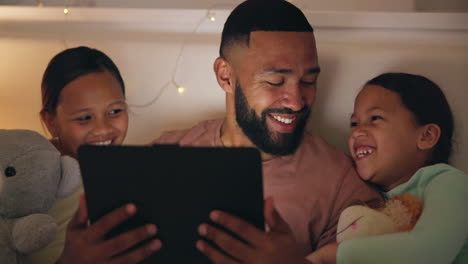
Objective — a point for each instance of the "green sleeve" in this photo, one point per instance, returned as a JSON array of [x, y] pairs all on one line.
[[438, 236]]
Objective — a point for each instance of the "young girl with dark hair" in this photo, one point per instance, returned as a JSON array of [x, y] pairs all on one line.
[[401, 141], [83, 102]]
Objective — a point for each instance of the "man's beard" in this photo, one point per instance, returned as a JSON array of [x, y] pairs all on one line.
[[256, 129]]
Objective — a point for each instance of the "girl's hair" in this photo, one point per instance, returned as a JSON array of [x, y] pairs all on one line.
[[69, 65], [427, 102]]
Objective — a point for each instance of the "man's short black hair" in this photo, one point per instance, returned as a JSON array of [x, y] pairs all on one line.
[[262, 15]]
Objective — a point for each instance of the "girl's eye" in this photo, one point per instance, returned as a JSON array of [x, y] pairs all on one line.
[[115, 111], [308, 83], [375, 117], [353, 124]]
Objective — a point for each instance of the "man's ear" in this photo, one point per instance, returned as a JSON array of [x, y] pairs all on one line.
[[429, 136], [223, 71], [50, 122]]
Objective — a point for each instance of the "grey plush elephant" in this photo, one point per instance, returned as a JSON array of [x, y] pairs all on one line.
[[32, 175]]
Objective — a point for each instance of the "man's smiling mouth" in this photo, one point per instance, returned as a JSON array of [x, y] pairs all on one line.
[[284, 119]]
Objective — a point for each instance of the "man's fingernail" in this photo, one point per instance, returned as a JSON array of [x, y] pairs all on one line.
[[130, 209], [155, 245], [151, 229], [202, 230], [199, 245], [214, 216]]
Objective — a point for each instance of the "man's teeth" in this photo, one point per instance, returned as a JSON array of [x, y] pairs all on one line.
[[284, 119], [108, 142], [364, 152]]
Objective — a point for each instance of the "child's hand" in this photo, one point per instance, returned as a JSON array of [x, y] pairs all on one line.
[[86, 244], [275, 246]]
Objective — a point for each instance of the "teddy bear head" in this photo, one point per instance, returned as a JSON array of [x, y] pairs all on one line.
[[32, 173]]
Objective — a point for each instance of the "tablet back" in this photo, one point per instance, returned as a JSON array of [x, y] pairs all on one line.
[[173, 187]]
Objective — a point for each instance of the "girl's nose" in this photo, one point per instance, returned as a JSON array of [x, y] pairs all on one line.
[[359, 131], [102, 128]]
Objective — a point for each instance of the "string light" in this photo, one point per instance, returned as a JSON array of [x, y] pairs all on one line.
[[66, 11], [180, 89], [211, 16], [40, 4]]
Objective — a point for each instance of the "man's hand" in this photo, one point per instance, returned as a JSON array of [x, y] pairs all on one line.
[[325, 255], [275, 246], [86, 244]]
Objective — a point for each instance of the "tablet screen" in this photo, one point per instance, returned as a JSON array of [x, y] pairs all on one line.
[[173, 187]]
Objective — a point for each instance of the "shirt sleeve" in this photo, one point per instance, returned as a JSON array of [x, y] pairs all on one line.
[[438, 236]]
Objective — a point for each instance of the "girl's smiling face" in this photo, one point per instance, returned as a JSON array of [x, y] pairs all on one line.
[[91, 110], [384, 138]]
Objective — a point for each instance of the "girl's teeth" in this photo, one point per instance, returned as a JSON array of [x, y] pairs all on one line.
[[108, 142], [362, 153]]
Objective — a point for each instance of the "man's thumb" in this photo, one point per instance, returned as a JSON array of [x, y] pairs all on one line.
[[80, 218], [274, 221]]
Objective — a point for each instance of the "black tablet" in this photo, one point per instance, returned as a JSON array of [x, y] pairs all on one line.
[[173, 187]]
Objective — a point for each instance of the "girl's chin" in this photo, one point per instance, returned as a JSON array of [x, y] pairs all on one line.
[[364, 174]]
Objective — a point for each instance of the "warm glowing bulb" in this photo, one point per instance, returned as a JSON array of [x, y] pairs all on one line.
[[212, 18], [180, 89], [40, 4], [66, 11]]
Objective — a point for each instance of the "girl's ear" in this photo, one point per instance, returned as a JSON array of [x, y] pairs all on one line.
[[223, 72], [50, 123], [429, 136]]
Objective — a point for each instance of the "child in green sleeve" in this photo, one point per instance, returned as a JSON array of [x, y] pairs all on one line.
[[401, 141]]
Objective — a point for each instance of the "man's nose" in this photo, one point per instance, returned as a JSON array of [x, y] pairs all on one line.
[[293, 97]]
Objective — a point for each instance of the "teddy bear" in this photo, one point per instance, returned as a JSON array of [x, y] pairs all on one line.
[[399, 214], [32, 175]]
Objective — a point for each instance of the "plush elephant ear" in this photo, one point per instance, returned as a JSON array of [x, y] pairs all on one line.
[[71, 176]]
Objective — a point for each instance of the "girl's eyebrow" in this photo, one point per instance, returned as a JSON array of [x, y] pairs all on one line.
[[81, 111], [118, 103], [84, 110], [368, 110], [373, 108]]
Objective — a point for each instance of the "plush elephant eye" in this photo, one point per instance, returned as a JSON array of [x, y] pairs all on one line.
[[10, 171]]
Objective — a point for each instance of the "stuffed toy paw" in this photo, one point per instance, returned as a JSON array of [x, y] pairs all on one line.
[[400, 214], [32, 175], [33, 232]]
